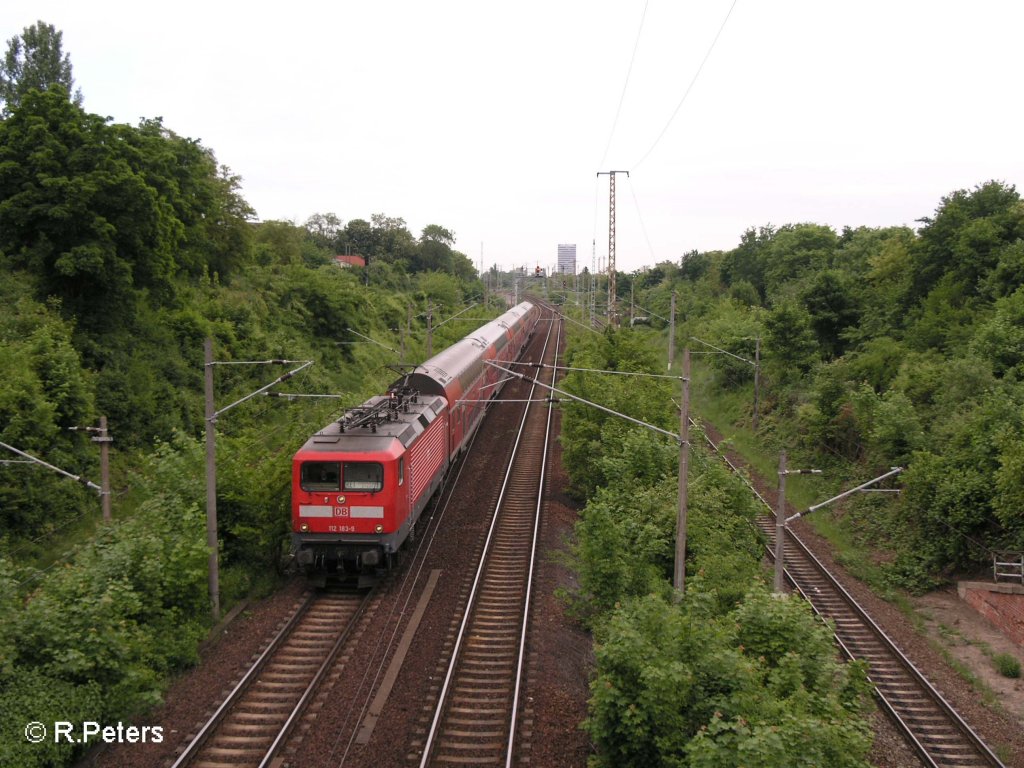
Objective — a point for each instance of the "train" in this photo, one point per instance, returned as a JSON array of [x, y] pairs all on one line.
[[360, 484]]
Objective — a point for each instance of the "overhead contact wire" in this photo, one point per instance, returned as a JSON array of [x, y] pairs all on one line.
[[643, 227], [689, 87], [625, 85]]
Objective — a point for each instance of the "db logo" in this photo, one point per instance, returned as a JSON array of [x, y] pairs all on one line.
[[341, 511]]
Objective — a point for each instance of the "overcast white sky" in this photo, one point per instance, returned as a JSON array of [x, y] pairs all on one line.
[[493, 119]]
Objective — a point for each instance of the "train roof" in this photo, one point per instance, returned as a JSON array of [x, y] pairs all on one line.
[[500, 325], [435, 374], [376, 424]]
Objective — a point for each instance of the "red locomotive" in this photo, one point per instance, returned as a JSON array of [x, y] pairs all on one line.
[[360, 484]]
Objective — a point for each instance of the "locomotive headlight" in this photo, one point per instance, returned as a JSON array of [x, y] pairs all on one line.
[[379, 529], [304, 527], [341, 499]]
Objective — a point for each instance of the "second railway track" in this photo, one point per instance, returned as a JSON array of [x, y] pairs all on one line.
[[251, 724], [932, 727], [475, 718], [472, 719]]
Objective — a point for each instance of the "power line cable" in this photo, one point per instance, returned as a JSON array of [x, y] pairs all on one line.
[[640, 216], [689, 87], [625, 84]]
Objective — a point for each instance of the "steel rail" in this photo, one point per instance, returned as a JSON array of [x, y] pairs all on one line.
[[190, 751], [529, 580], [213, 746], [972, 737], [982, 749], [439, 711], [325, 667], [385, 643]]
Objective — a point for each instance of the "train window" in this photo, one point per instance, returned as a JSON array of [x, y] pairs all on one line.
[[321, 476], [363, 476]]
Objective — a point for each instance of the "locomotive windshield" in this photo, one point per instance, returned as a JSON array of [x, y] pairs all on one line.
[[363, 476], [321, 476]]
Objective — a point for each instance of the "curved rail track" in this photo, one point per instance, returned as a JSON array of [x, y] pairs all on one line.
[[250, 726], [475, 719], [933, 728]]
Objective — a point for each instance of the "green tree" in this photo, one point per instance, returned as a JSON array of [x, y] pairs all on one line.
[[49, 699], [359, 239], [1008, 274], [63, 193], [462, 267], [760, 685], [122, 613], [877, 362], [887, 278], [107, 215], [1009, 499], [650, 277], [205, 198], [1000, 339], [35, 60], [44, 391], [796, 250], [791, 348], [438, 234], [694, 265], [279, 242], [744, 293], [324, 302], [395, 242], [432, 256], [956, 489], [829, 298], [441, 289], [965, 237], [942, 320], [894, 431], [748, 261], [734, 327], [325, 230]]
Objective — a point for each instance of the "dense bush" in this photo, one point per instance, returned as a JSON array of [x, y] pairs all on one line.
[[678, 685], [727, 676], [122, 249], [97, 636], [31, 696], [1007, 664], [880, 348]]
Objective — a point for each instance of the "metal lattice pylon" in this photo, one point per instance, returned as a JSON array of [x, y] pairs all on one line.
[[613, 316]]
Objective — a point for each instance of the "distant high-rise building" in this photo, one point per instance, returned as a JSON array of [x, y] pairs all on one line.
[[567, 258]]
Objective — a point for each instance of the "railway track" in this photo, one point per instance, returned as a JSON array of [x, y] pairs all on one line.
[[250, 726], [932, 727], [474, 721]]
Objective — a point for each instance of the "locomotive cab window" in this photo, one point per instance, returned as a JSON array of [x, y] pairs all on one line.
[[321, 476], [364, 476]]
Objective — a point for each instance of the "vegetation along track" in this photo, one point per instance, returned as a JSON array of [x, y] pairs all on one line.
[[252, 723], [475, 717], [929, 723]]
